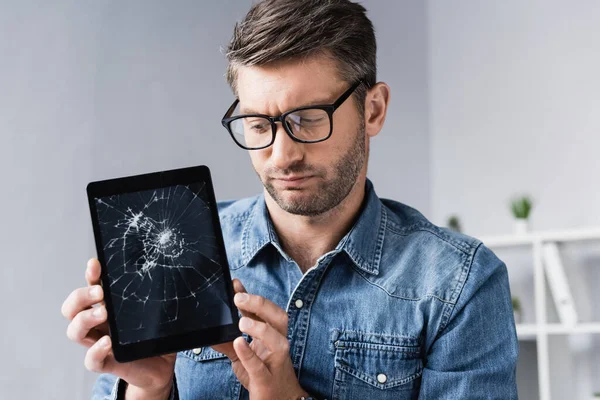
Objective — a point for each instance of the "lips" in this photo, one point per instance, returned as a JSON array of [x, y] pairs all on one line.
[[292, 182], [292, 178]]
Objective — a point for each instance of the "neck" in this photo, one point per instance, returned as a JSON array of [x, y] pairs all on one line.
[[306, 238]]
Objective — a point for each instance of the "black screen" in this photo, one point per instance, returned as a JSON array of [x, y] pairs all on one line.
[[163, 261]]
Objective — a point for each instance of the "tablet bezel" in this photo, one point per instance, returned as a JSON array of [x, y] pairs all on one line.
[[178, 342]]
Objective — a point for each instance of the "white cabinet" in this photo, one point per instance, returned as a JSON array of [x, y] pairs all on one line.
[[546, 334]]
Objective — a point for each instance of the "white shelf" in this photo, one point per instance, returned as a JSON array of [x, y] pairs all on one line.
[[542, 236], [542, 331], [530, 331], [527, 331]]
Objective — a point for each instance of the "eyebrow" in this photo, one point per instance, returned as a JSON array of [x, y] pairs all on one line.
[[244, 111]]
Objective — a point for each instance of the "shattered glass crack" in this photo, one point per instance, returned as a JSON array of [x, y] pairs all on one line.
[[163, 262]]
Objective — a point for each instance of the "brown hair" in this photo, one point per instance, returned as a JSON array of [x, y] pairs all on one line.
[[277, 30]]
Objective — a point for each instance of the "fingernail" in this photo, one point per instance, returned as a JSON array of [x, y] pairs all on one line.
[[95, 292], [98, 311], [104, 342], [241, 297], [245, 323]]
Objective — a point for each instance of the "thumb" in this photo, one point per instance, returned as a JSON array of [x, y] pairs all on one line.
[[227, 349], [236, 365]]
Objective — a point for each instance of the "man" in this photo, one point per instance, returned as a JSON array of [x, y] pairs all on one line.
[[346, 296]]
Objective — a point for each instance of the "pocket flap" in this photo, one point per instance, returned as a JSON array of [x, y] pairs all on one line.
[[204, 354], [382, 361]]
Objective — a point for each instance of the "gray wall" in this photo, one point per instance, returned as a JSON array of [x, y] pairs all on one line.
[[515, 96], [47, 69], [97, 89], [514, 99], [400, 164]]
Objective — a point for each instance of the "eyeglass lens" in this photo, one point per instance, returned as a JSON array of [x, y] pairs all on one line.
[[309, 125]]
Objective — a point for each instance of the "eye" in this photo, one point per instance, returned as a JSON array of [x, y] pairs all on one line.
[[309, 118], [257, 125]]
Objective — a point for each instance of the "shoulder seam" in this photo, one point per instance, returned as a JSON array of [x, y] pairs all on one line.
[[465, 247], [361, 273], [458, 291]]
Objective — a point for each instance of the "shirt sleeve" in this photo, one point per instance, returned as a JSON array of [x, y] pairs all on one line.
[[105, 387], [109, 387], [474, 355]]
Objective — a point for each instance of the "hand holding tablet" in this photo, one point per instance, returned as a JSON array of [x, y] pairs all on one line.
[[147, 378], [164, 272]]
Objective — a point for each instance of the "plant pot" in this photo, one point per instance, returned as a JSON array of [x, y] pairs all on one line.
[[521, 226]]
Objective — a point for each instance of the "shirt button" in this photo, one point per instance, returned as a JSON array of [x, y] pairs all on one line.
[[299, 303], [197, 351], [381, 378]]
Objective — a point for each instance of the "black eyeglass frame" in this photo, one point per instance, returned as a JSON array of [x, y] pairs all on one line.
[[329, 108]]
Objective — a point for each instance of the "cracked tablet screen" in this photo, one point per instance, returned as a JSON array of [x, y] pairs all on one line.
[[163, 263]]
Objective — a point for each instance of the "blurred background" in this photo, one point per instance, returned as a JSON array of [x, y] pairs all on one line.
[[490, 100]]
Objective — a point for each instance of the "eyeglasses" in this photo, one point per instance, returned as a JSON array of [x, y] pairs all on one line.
[[311, 124]]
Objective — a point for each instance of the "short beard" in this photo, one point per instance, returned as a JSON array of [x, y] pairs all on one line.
[[331, 192]]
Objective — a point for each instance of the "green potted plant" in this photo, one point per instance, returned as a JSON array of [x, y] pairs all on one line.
[[517, 310], [521, 209], [454, 223]]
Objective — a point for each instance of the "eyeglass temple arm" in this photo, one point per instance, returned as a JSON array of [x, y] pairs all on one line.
[[229, 111], [347, 94]]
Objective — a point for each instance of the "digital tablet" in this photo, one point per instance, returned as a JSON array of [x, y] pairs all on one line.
[[165, 274]]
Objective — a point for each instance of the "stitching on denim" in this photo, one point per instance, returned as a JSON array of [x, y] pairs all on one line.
[[244, 250], [374, 334], [243, 239], [467, 264], [463, 246], [203, 357], [353, 345], [400, 297], [313, 298], [236, 217], [366, 378], [457, 291], [425, 227], [370, 266], [380, 239], [249, 253]]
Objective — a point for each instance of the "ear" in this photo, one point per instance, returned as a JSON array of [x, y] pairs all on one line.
[[376, 104]]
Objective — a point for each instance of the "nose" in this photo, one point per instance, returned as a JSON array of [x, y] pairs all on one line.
[[285, 151]]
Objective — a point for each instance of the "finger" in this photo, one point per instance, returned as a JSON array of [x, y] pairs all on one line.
[[254, 366], [227, 349], [272, 339], [238, 287], [83, 330], [236, 365], [264, 309], [81, 299], [92, 272], [98, 357]]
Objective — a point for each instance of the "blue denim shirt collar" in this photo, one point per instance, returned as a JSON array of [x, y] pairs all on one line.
[[363, 243]]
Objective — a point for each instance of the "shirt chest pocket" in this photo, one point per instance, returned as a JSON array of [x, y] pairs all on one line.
[[376, 366], [204, 373]]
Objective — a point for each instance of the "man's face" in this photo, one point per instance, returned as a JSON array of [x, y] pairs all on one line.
[[305, 179]]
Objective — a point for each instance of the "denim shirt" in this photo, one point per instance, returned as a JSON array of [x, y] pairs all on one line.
[[400, 309]]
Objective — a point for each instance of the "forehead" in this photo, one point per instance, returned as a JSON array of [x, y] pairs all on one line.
[[277, 87]]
